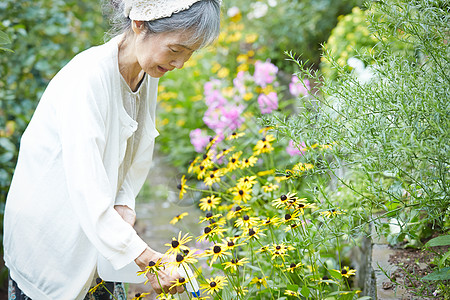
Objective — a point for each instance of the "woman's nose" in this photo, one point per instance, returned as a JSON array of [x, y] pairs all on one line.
[[178, 63]]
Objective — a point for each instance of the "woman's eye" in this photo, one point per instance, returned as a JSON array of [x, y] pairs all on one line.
[[174, 51]]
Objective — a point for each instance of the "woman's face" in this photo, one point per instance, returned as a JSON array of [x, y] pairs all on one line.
[[163, 52]]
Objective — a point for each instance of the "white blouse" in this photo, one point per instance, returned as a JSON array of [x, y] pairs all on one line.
[[59, 214]]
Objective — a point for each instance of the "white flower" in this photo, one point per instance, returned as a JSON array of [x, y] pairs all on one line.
[[259, 10], [233, 11], [272, 3]]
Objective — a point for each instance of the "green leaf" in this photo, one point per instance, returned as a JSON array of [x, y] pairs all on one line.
[[443, 240], [443, 274], [365, 298], [305, 291], [6, 49], [4, 38], [444, 258], [335, 274]]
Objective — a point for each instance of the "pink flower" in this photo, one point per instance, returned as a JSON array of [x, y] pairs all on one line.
[[199, 139], [232, 117], [294, 150], [215, 98], [265, 73], [268, 103], [297, 88]]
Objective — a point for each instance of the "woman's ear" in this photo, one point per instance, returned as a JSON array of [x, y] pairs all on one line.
[[137, 26]]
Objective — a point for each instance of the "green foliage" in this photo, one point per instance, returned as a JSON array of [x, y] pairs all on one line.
[[392, 132], [43, 35], [300, 26]]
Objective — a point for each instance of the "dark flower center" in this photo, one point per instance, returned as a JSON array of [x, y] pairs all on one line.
[[175, 244], [179, 186], [211, 175], [179, 257], [207, 230], [181, 280], [246, 180], [151, 263], [293, 265], [283, 197], [230, 244], [212, 284], [234, 133], [278, 247], [287, 217], [246, 218], [186, 251], [209, 201], [301, 205], [217, 249], [241, 192], [209, 214], [263, 139], [325, 278], [137, 295], [205, 156], [233, 160], [246, 161], [233, 261], [344, 271], [238, 208], [333, 210], [201, 168], [251, 232]]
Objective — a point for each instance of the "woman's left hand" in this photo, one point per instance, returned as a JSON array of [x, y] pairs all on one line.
[[126, 213]]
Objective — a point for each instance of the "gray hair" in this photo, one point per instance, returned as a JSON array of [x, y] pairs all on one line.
[[202, 19]]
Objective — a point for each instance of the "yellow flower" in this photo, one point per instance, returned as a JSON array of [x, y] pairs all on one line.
[[251, 38], [234, 263], [216, 251], [163, 296], [233, 161], [214, 284], [291, 293], [283, 200], [265, 173], [247, 179], [210, 202], [178, 245], [139, 296], [243, 68], [178, 218], [184, 259], [249, 162], [264, 145], [270, 221], [223, 72], [182, 186], [100, 284], [248, 96], [246, 221], [236, 211], [346, 272], [254, 233], [242, 58], [231, 242], [152, 268], [270, 187], [332, 212], [225, 152], [291, 217], [213, 177], [235, 135], [242, 192], [209, 232], [293, 266], [208, 217], [200, 171], [192, 165], [259, 281]]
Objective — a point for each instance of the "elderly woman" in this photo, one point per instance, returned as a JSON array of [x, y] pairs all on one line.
[[88, 149]]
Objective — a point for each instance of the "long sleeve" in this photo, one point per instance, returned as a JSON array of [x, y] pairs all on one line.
[[82, 119]]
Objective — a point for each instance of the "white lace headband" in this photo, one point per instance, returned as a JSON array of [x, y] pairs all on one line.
[[149, 10]]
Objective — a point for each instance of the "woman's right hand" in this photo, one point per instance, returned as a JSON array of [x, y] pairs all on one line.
[[166, 276]]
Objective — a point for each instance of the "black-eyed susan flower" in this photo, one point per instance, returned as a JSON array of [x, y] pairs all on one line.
[[266, 172], [292, 226], [233, 161], [235, 263], [300, 206], [216, 251], [212, 141], [283, 200], [209, 203], [180, 281], [288, 218], [253, 233], [241, 192], [200, 171], [210, 232], [177, 218], [188, 257], [259, 281], [263, 249], [139, 296], [214, 284], [270, 187], [246, 221], [232, 242], [182, 186], [208, 217], [241, 291], [248, 162], [270, 221], [291, 293], [235, 135], [264, 145], [163, 296], [332, 212], [346, 272], [212, 177], [192, 165], [152, 268], [224, 152], [236, 211], [248, 179], [302, 167], [293, 266], [178, 244]]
